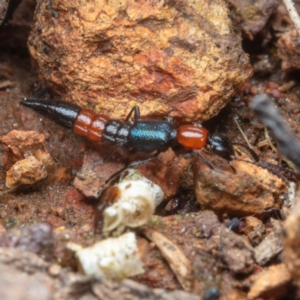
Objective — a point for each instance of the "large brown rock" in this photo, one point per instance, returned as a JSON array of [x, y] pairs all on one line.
[[178, 58]]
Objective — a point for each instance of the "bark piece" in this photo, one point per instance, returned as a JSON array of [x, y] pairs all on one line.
[[249, 190], [178, 58], [268, 248]]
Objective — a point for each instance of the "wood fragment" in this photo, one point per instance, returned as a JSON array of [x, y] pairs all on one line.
[[179, 263]]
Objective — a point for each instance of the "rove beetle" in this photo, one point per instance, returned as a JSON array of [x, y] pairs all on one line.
[[141, 135]]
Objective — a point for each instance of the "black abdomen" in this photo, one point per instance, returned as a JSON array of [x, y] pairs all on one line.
[[62, 112]]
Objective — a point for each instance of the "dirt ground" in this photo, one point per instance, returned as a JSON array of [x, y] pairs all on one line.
[[233, 249]]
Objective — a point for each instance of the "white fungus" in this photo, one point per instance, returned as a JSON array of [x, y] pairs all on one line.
[[112, 258], [136, 202]]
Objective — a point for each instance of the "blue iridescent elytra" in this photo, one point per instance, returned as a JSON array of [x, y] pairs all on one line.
[[151, 135]]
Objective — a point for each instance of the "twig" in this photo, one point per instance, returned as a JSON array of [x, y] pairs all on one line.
[[274, 149], [242, 133], [293, 14]]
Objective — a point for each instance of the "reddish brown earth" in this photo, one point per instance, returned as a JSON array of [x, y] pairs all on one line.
[[258, 258]]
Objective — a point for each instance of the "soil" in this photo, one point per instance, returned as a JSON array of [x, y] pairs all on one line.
[[226, 259]]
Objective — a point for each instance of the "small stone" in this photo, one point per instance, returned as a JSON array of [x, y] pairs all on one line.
[[86, 228], [27, 171], [54, 270]]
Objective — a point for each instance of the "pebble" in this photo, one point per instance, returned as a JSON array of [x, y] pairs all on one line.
[[54, 270]]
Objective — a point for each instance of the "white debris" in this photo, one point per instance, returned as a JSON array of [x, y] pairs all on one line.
[[136, 202], [112, 258]]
